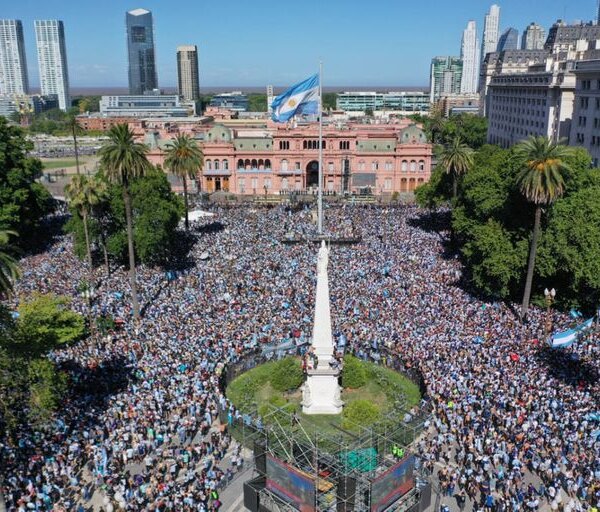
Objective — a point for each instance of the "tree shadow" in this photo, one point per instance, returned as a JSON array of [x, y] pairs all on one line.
[[209, 228], [570, 370], [433, 221], [47, 234]]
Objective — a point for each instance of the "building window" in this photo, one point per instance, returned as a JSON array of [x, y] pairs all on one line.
[[389, 166], [284, 165], [216, 165], [330, 167], [413, 166], [298, 166], [208, 165], [404, 166], [268, 183], [226, 165], [284, 184], [421, 165], [330, 186], [361, 166], [284, 144], [254, 184], [374, 165], [345, 144], [387, 184], [242, 184], [267, 164]]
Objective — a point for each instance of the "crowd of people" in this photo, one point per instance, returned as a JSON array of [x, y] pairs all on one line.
[[515, 425]]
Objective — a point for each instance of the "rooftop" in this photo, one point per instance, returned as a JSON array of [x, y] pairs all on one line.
[[138, 12]]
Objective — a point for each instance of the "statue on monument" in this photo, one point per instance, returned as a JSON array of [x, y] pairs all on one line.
[[322, 259]]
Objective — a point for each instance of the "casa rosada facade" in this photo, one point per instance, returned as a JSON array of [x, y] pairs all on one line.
[[280, 159]]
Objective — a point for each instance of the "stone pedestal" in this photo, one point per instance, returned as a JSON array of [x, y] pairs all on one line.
[[321, 393]]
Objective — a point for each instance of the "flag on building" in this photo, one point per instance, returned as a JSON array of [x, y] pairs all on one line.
[[302, 98]]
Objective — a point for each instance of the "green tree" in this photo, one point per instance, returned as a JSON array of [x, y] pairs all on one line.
[[83, 194], [354, 375], [23, 201], [287, 374], [9, 268], [45, 322], [472, 129], [541, 183], [123, 161], [360, 414], [435, 124], [329, 100], [456, 159], [74, 128], [257, 102], [369, 112], [184, 158]]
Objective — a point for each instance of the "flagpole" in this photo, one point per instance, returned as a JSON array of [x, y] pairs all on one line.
[[320, 196]]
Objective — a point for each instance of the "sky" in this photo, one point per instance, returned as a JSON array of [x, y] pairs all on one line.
[[258, 42]]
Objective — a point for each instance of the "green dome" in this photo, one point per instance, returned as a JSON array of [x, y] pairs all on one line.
[[219, 133], [413, 134]]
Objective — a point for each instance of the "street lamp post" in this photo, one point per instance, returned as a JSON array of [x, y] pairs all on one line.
[[550, 295], [89, 293]]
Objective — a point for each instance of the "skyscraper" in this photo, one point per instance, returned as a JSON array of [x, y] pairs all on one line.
[[509, 40], [533, 37], [490, 31], [446, 73], [187, 72], [469, 54], [13, 63], [52, 60], [140, 47]]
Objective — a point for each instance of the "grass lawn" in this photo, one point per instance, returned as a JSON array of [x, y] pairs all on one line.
[[253, 390], [58, 164]]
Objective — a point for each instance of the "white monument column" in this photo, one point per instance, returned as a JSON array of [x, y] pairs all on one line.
[[321, 393]]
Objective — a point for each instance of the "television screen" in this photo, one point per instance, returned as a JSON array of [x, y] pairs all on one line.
[[291, 485], [392, 484]]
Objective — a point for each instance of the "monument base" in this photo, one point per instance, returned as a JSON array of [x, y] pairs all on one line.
[[321, 393]]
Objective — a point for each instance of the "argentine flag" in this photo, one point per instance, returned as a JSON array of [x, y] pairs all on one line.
[[302, 98]]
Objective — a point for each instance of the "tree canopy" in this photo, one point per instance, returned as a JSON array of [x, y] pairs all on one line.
[[492, 223], [23, 201]]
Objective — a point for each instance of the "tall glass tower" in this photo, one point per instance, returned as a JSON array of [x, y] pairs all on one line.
[[13, 63], [52, 60], [140, 47]]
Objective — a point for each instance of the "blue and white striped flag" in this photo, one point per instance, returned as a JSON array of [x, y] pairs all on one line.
[[302, 98]]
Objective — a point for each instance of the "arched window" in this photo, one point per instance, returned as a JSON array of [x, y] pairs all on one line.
[[421, 165], [324, 145], [284, 165], [413, 166], [208, 165], [304, 144], [267, 164], [254, 163], [361, 165], [240, 164], [226, 165], [404, 165], [261, 164], [247, 163], [216, 165], [374, 165]]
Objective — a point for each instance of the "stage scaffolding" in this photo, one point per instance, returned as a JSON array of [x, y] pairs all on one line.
[[332, 461]]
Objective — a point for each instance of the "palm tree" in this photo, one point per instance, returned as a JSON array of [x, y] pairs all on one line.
[[9, 270], [73, 126], [457, 159], [541, 182], [83, 194], [183, 159], [124, 160]]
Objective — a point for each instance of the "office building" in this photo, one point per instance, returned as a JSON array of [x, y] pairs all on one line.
[[146, 105], [534, 37], [140, 49], [538, 102], [490, 31], [506, 62], [585, 128], [453, 104], [445, 77], [52, 60], [13, 62], [187, 73], [563, 37], [509, 40], [235, 101], [402, 101], [26, 104], [270, 98], [469, 54]]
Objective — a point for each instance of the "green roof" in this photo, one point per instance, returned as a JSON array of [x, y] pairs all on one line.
[[253, 144], [377, 145]]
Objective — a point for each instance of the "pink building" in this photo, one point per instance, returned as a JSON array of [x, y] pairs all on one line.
[[273, 159]]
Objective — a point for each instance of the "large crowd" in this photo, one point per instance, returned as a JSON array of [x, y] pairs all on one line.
[[515, 424]]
